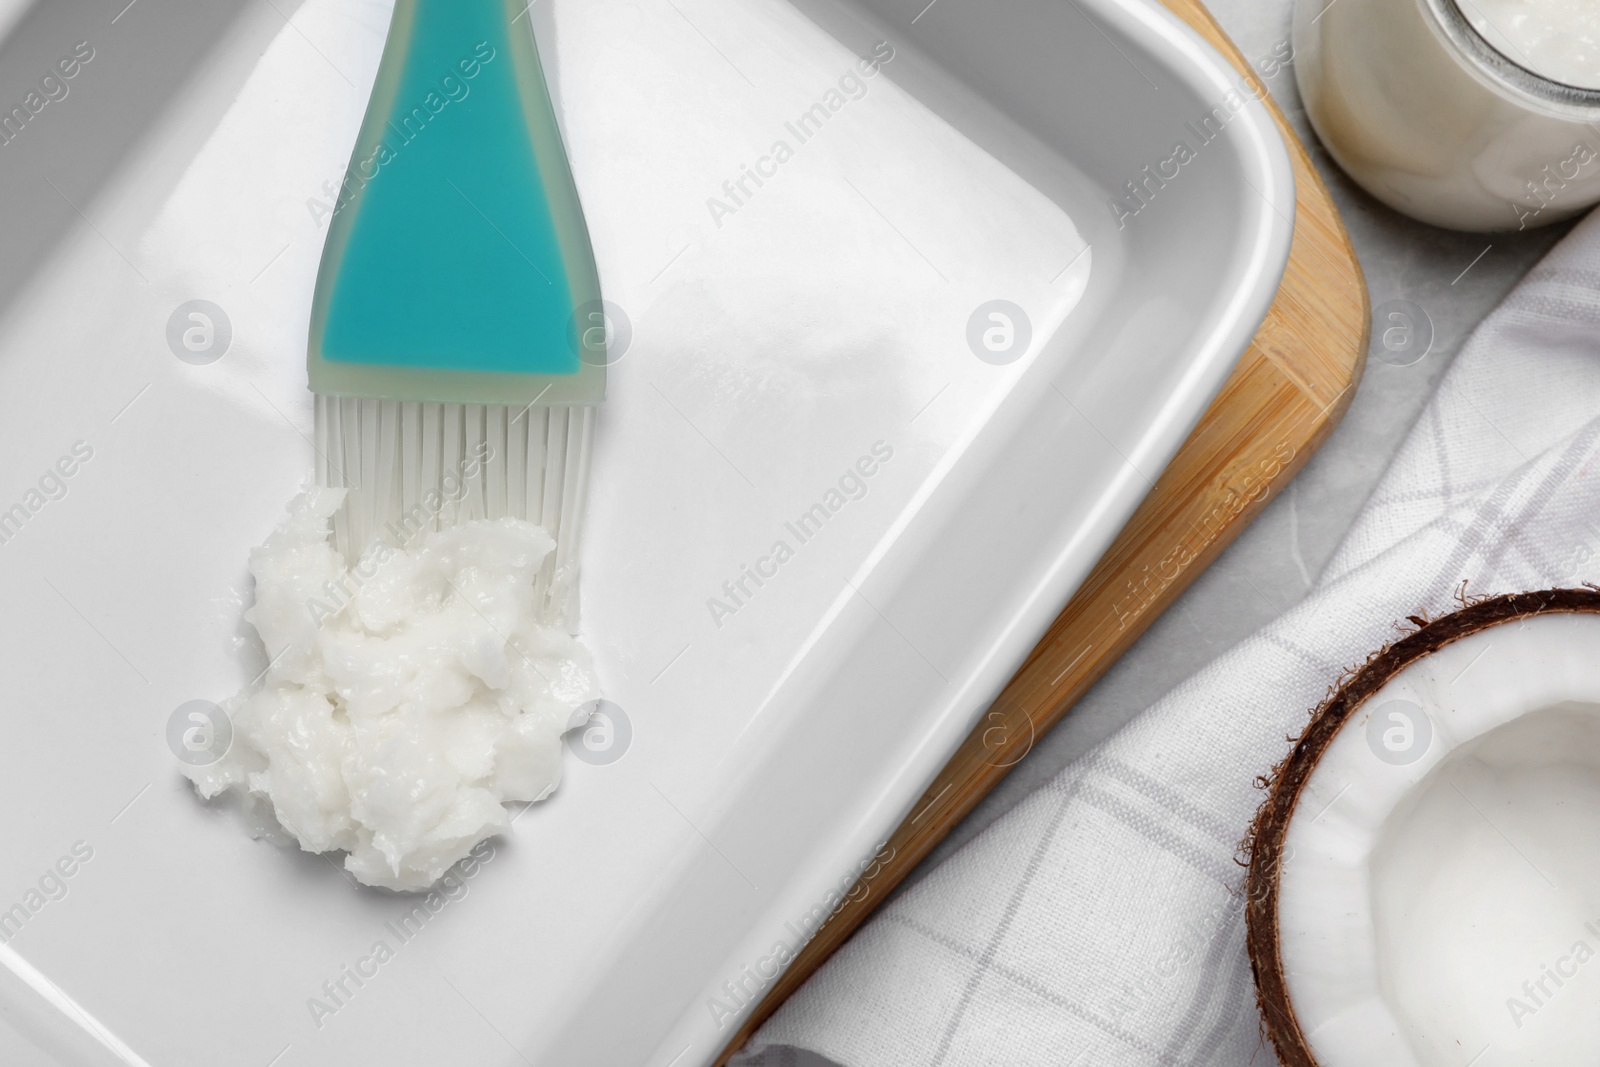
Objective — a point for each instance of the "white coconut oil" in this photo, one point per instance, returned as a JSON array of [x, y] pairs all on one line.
[[1480, 116], [1559, 39], [407, 699]]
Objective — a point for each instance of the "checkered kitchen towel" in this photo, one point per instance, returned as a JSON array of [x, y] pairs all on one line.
[[1099, 922]]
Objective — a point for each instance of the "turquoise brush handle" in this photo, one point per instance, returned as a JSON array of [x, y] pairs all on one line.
[[458, 265]]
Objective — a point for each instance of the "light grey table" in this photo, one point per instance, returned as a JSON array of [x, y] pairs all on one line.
[[1456, 279]]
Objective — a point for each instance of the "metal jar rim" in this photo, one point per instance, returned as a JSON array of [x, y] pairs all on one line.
[[1518, 81]]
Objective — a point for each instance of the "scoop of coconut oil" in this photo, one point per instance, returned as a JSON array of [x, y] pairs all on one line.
[[407, 699]]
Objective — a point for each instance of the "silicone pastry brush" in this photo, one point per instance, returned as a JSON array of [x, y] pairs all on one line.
[[457, 343]]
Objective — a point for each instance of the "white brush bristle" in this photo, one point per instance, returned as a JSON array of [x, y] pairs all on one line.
[[413, 467]]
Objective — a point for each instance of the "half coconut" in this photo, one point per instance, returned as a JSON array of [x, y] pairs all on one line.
[[1424, 886]]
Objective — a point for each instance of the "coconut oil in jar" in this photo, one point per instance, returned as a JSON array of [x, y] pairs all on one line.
[[1470, 114]]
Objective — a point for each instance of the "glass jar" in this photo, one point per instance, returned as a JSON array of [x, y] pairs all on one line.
[[1419, 108]]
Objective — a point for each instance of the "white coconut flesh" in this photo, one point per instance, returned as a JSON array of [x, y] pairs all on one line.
[[1439, 902]]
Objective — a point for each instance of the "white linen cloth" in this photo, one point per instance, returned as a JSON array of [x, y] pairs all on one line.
[[1100, 922]]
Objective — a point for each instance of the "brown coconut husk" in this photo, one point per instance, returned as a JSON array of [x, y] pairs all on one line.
[[1264, 847]]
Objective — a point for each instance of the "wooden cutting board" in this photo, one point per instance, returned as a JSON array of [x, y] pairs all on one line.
[[1287, 393]]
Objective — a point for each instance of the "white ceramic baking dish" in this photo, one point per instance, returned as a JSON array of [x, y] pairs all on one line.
[[630, 919]]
